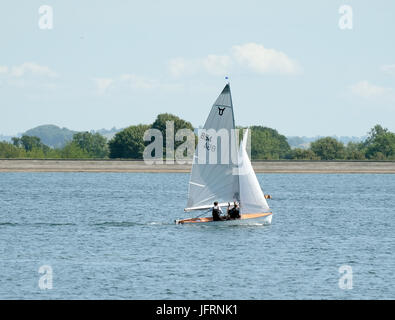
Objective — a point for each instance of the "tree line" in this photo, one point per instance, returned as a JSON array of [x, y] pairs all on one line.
[[266, 144], [83, 145], [379, 145]]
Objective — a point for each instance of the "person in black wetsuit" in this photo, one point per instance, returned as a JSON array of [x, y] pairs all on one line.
[[217, 212], [234, 213]]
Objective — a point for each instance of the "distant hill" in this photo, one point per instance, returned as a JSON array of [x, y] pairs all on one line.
[[109, 134], [57, 137], [5, 138], [52, 135]]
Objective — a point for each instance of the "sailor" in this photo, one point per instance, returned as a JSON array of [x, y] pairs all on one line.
[[217, 212], [234, 213]]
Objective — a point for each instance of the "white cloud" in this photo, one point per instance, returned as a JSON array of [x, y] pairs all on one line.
[[263, 60], [366, 90], [212, 64], [3, 69], [251, 56], [33, 68], [181, 66], [389, 68], [102, 84], [134, 82], [28, 75], [217, 65], [139, 82]]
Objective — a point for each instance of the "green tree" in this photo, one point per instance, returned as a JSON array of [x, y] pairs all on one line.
[[129, 142], [328, 148], [8, 150], [73, 151], [94, 144], [380, 144], [160, 124], [303, 154], [374, 133], [29, 143], [267, 143], [53, 153], [355, 151], [32, 146], [36, 153]]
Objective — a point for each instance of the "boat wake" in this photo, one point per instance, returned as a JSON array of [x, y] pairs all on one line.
[[35, 224], [129, 223]]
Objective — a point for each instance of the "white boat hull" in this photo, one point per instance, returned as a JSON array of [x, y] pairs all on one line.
[[246, 219]]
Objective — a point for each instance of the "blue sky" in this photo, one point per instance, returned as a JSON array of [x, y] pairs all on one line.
[[117, 63]]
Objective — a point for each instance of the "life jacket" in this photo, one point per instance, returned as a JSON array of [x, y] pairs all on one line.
[[216, 216], [234, 213]]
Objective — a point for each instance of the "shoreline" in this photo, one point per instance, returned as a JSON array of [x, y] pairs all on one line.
[[263, 166]]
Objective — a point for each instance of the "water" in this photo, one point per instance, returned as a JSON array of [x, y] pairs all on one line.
[[111, 236]]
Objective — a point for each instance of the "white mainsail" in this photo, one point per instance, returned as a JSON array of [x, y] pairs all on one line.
[[217, 181], [252, 199]]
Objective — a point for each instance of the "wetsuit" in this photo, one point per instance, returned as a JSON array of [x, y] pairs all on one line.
[[217, 213], [234, 213]]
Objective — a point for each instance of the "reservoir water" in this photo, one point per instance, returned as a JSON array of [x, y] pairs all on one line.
[[112, 236]]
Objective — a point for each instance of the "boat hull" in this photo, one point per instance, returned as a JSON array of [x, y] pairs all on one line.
[[247, 218]]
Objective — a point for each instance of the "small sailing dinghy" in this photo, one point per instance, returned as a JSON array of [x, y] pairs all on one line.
[[230, 177]]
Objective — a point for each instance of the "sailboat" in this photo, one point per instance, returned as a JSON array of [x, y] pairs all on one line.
[[229, 179]]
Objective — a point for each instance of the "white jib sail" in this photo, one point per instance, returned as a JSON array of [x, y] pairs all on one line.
[[252, 199], [215, 180]]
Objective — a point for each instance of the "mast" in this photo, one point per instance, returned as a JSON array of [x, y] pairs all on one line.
[[236, 141]]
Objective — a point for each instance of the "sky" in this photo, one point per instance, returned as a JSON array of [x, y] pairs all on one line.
[[305, 68]]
